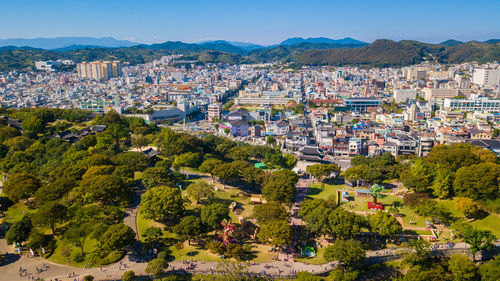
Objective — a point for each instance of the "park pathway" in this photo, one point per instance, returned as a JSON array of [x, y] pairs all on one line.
[[295, 221]]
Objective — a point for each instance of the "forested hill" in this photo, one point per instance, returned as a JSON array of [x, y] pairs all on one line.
[[384, 53], [381, 53]]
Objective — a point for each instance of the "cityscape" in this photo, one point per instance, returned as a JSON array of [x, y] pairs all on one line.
[[321, 155]]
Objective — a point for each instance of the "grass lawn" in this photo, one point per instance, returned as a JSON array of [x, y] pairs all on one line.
[[17, 211], [315, 191], [143, 224], [491, 223], [227, 196], [89, 249], [193, 252], [492, 205]]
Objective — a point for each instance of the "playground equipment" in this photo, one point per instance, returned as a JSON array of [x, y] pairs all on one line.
[[376, 192], [308, 252], [345, 196], [228, 231], [375, 206]]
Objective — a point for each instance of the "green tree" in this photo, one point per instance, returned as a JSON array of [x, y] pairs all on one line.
[[103, 188], [136, 160], [478, 240], [443, 183], [270, 211], [49, 215], [128, 275], [77, 234], [277, 232], [20, 186], [19, 231], [307, 276], [316, 214], [38, 240], [423, 273], [189, 228], [209, 165], [98, 170], [200, 190], [162, 203], [152, 234], [54, 190], [112, 117], [238, 153], [355, 173], [139, 141], [343, 224], [212, 215], [322, 171], [116, 237], [340, 275], [236, 251], [88, 278], [462, 268], [189, 159], [270, 140], [478, 181], [225, 172], [281, 187], [348, 253], [117, 132], [384, 224], [490, 271], [33, 124], [155, 176], [452, 156], [289, 161]]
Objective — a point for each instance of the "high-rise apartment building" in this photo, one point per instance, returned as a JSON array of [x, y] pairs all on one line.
[[486, 76], [99, 70]]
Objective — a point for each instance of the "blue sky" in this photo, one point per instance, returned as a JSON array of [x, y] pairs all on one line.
[[258, 21]]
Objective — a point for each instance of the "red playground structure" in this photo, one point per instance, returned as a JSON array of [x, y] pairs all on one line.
[[375, 206]]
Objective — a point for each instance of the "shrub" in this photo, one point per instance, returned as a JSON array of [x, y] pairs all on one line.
[[79, 257], [216, 247], [162, 255], [128, 275]]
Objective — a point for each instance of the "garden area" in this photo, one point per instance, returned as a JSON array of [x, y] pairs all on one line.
[[227, 195]]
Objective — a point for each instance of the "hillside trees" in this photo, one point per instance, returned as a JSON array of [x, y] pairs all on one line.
[[162, 203]]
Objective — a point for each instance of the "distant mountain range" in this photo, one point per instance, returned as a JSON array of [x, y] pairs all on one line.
[[345, 41], [64, 42], [73, 43], [300, 51]]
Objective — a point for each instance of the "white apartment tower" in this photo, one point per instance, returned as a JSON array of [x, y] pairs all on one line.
[[486, 76]]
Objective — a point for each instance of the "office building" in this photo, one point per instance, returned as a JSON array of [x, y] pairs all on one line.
[[474, 104], [361, 105]]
